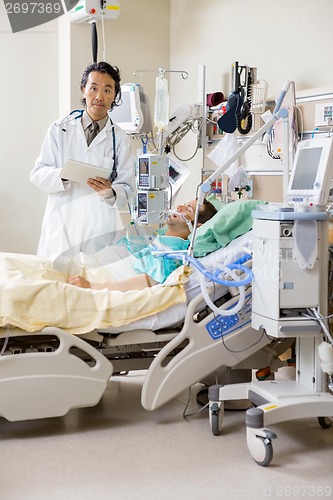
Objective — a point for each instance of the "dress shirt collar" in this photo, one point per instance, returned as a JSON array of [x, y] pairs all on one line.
[[86, 121]]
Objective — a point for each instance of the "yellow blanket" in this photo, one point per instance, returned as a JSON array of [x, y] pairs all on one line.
[[34, 295]]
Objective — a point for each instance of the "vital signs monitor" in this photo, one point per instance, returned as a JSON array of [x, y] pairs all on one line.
[[128, 115], [312, 172]]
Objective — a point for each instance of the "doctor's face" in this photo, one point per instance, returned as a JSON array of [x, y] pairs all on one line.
[[99, 94]]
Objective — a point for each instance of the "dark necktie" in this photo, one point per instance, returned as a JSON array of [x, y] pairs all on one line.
[[93, 131]]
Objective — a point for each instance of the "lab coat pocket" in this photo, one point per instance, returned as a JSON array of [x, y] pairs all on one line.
[[108, 162]]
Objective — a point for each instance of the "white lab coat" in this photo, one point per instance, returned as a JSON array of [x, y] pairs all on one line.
[[75, 214]]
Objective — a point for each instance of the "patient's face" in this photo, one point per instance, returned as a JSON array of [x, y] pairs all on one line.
[[188, 209]]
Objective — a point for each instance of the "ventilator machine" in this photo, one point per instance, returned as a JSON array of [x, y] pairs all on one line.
[[289, 300]]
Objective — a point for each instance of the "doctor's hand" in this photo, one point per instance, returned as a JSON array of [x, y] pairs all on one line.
[[101, 186], [79, 281]]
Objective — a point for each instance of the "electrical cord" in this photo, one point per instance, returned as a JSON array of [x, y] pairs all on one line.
[[179, 133], [194, 412], [248, 347], [314, 314], [103, 33], [300, 114], [269, 149], [190, 125], [294, 139]]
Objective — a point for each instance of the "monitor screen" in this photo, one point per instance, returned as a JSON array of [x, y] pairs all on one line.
[[128, 114], [312, 172], [306, 168], [143, 166], [173, 173], [178, 173], [142, 201], [122, 113]]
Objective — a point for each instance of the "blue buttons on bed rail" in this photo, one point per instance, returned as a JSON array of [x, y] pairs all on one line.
[[220, 326]]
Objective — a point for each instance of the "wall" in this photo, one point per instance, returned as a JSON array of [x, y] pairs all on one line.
[[28, 89], [286, 40]]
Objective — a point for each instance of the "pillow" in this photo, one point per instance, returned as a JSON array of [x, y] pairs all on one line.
[[211, 197], [231, 221]]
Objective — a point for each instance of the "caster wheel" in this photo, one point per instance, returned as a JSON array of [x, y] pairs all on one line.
[[325, 422], [216, 418], [260, 445], [267, 452]]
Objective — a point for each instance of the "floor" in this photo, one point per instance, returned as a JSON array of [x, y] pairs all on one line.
[[118, 450]]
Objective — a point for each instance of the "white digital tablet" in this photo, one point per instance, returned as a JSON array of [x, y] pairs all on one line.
[[80, 172]]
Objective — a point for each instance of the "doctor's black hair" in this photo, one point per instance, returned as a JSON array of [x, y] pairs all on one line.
[[103, 67]]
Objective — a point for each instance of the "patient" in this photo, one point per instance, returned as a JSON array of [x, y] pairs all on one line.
[[154, 269], [31, 286]]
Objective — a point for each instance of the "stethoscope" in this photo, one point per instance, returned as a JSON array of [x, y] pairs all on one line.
[[79, 114]]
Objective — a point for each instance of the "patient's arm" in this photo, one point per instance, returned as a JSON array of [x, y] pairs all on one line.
[[138, 282]]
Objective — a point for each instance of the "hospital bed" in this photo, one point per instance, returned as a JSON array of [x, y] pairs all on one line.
[[47, 372]]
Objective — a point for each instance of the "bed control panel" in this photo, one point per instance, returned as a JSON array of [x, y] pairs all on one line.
[[220, 326]]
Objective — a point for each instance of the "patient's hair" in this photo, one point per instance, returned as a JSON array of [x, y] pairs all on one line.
[[103, 67], [207, 211]]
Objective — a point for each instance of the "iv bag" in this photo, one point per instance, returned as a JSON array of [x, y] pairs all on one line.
[[161, 109]]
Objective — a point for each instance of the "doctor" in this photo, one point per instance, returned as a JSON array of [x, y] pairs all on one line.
[[77, 214]]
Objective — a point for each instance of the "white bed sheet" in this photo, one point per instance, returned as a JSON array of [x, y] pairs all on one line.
[[174, 315]]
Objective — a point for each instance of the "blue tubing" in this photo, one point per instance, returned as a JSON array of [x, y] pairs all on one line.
[[214, 277]]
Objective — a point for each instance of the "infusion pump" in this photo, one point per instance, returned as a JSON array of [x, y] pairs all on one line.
[[152, 182], [153, 171], [159, 177], [151, 205]]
